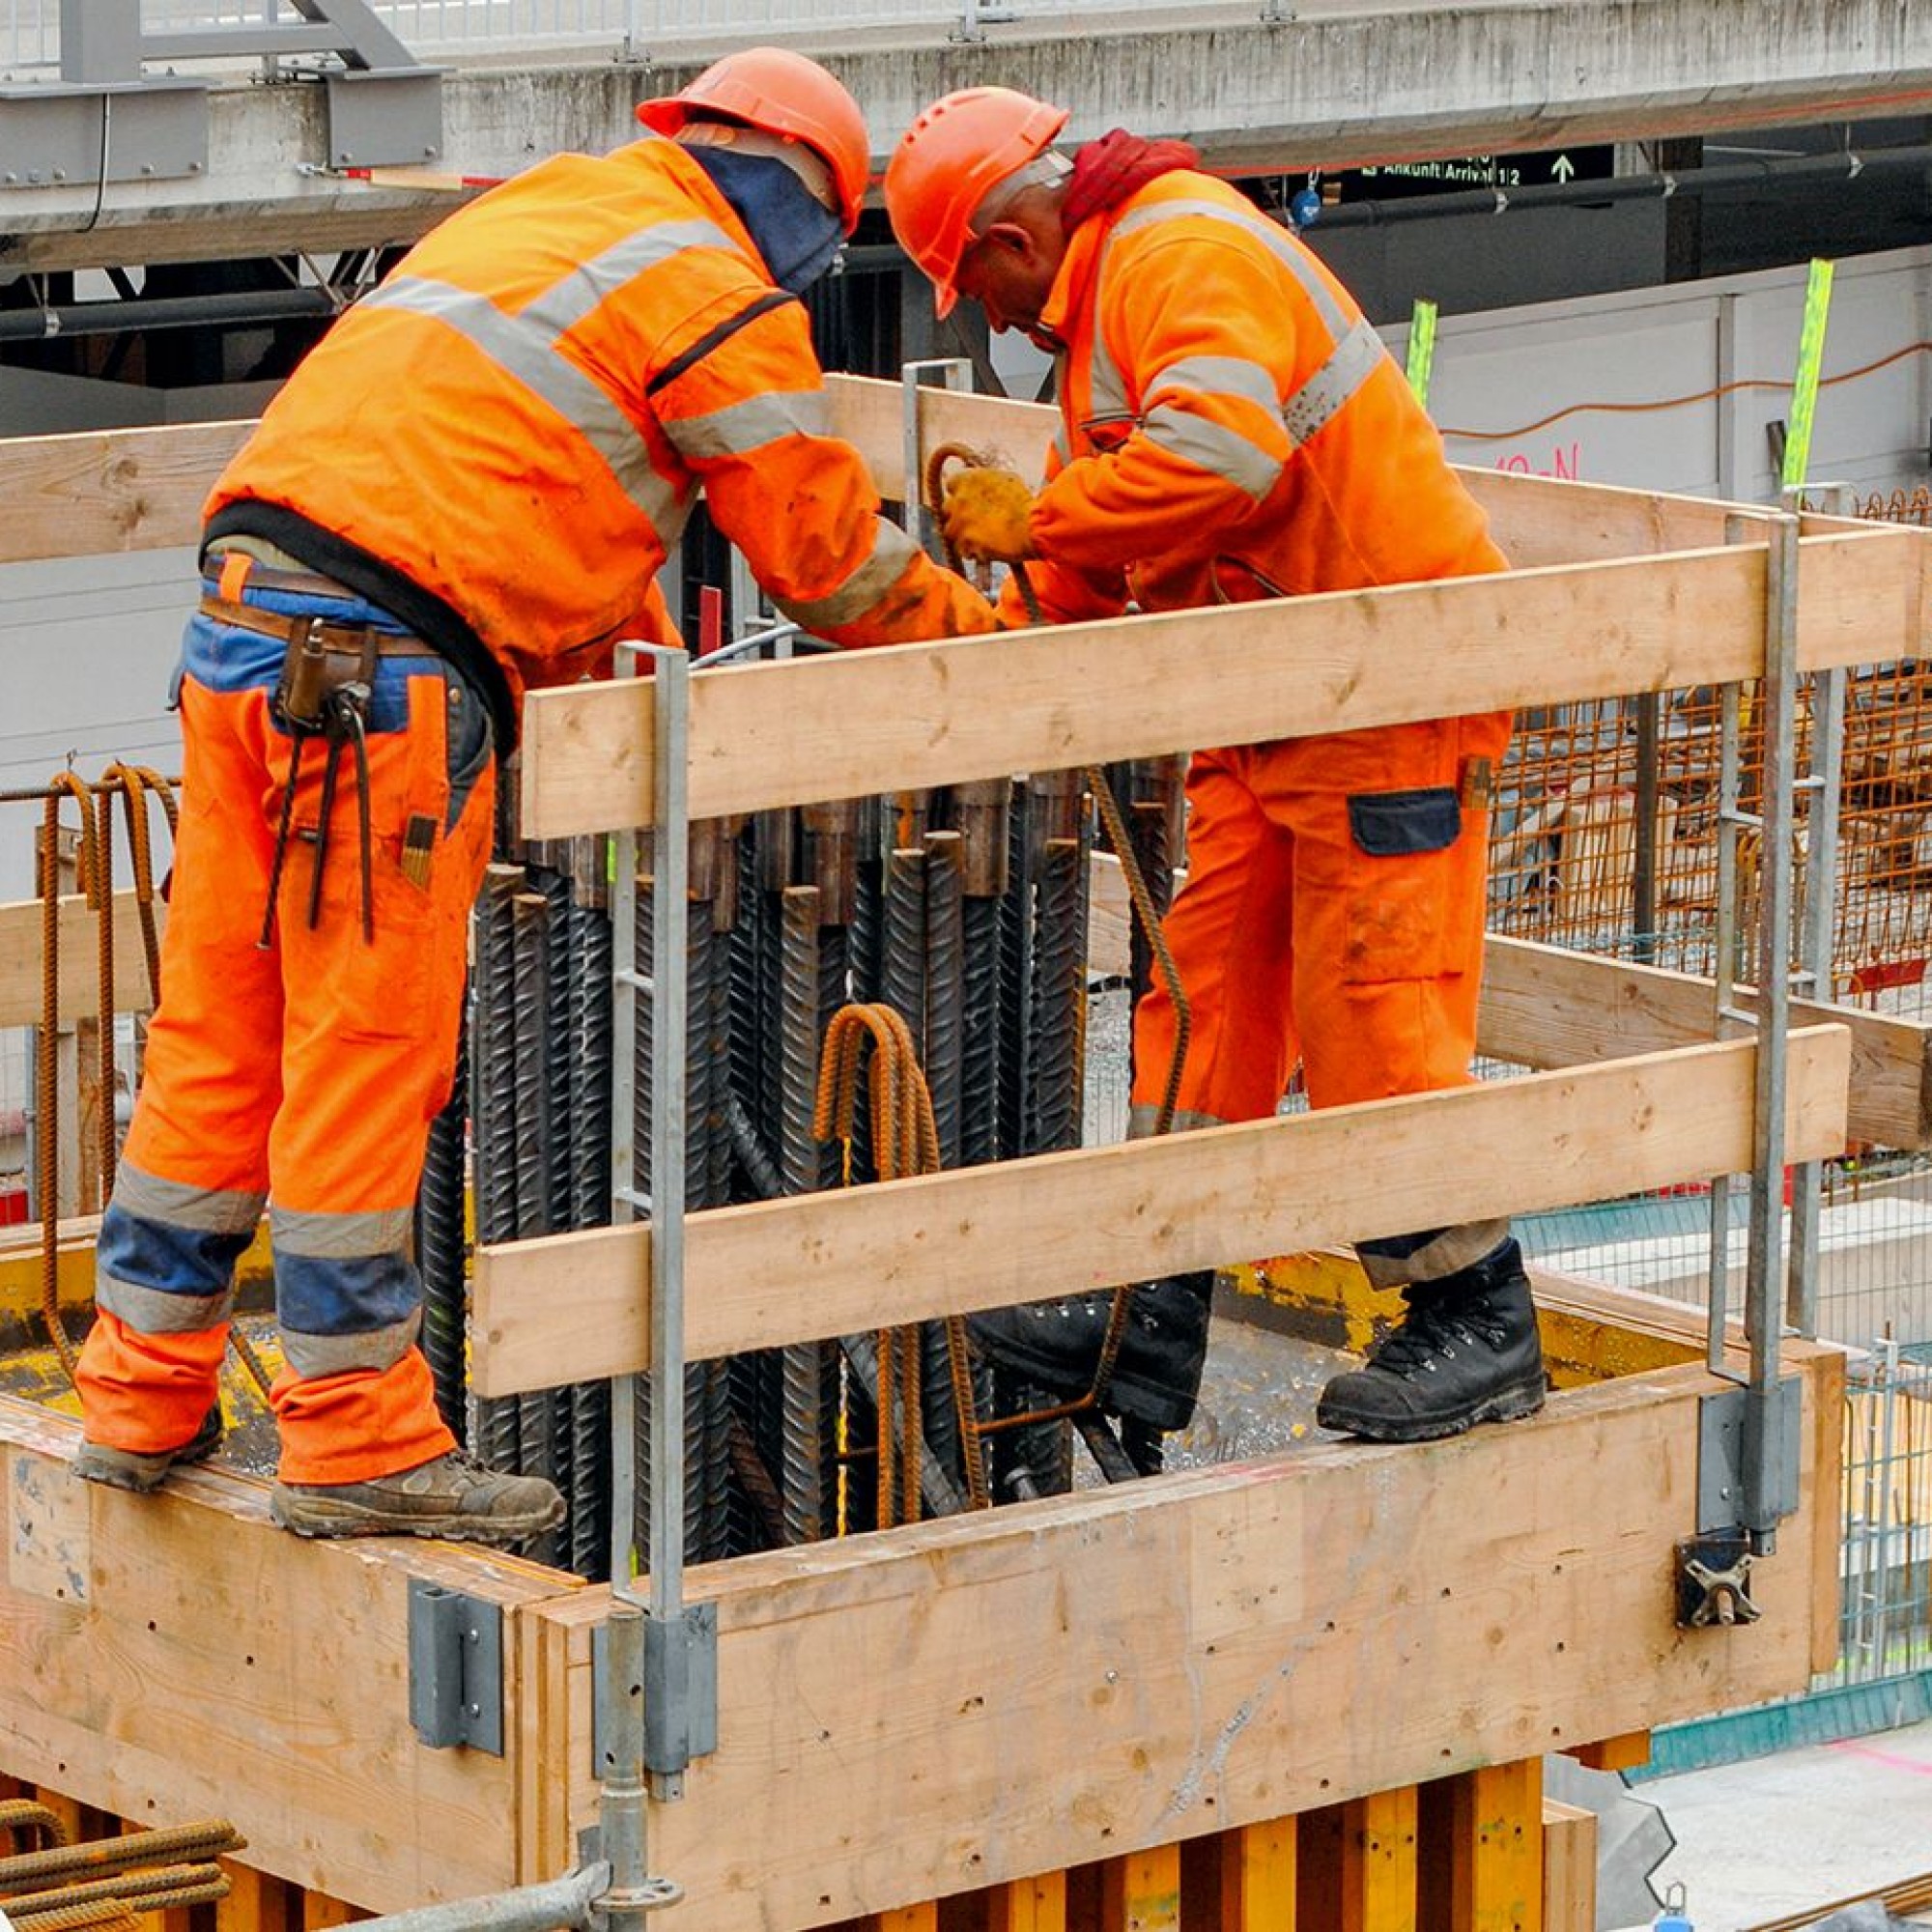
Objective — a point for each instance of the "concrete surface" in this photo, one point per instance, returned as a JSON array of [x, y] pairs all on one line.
[[1800, 1831]]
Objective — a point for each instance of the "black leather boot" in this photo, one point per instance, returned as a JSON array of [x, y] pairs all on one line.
[[1056, 1345], [1466, 1352]]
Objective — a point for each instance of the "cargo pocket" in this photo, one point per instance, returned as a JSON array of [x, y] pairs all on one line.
[[1403, 870]]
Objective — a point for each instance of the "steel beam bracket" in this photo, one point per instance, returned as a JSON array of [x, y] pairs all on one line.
[[59, 135], [383, 117], [455, 1668], [680, 1688], [1732, 1494]]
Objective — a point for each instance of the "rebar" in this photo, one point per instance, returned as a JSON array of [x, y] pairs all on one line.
[[801, 1027], [492, 1046], [442, 1245]]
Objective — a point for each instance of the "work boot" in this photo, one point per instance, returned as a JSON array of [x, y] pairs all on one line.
[[145, 1470], [1466, 1352], [452, 1496], [1157, 1371]]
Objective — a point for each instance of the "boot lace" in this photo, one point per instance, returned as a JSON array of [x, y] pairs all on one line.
[[1433, 1331]]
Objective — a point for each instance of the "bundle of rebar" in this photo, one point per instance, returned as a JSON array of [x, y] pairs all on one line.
[[965, 912]]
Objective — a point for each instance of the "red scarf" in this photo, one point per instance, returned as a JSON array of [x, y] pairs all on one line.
[[1107, 171]]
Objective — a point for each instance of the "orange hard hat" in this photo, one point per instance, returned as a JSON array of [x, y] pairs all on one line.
[[946, 163], [784, 94]]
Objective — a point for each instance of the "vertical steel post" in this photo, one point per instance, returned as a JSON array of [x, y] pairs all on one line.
[[1763, 1504], [1823, 784], [667, 1633]]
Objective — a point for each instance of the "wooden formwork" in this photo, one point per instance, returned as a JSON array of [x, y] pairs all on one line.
[[1311, 1690]]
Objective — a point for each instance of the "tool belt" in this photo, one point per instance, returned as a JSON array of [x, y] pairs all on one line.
[[328, 679]]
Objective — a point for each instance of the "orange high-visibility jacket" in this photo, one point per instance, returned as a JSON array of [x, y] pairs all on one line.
[[1231, 426], [518, 419]]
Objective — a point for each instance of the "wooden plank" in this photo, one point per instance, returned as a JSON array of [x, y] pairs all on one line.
[[1358, 1870], [1548, 1006], [1569, 1867], [1141, 1892], [1268, 1637], [915, 715], [1623, 1752], [1257, 1865], [1036, 1904], [119, 489], [99, 491], [177, 1648], [80, 958], [572, 1307], [1489, 1861], [1536, 520]]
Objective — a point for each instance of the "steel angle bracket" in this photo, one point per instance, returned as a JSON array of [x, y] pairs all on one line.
[[455, 1668], [53, 135], [680, 1689], [383, 117]]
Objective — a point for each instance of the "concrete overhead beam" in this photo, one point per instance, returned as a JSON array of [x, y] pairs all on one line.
[[1342, 83]]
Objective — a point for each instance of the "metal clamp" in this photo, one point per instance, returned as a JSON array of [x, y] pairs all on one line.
[[1714, 1581]]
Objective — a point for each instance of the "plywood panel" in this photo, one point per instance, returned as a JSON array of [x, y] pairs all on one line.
[[176, 1657], [1115, 1672]]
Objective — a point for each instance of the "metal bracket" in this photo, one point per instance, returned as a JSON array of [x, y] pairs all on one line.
[[383, 117], [680, 1689], [455, 1668], [1722, 1480], [57, 136], [1714, 1581], [108, 121]]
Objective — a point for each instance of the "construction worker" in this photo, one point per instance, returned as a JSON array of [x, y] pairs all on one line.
[[467, 489], [1233, 429]]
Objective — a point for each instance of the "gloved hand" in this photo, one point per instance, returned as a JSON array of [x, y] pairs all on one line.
[[984, 515]]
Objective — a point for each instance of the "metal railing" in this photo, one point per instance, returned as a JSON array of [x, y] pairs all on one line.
[[440, 29]]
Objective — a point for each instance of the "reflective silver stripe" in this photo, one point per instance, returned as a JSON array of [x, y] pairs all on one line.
[[1357, 349], [206, 1210], [571, 298], [340, 1237], [1220, 375], [1285, 249], [1214, 447], [526, 351], [311, 1356], [751, 424], [892, 551], [149, 1311], [1314, 405], [1061, 448], [1452, 1251]]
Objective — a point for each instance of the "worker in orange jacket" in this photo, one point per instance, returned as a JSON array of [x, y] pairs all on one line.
[[1233, 429], [466, 490]]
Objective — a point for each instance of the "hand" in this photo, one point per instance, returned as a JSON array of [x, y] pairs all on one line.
[[986, 514]]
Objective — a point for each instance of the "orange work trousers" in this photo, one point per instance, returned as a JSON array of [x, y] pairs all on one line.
[[1332, 919], [303, 1073]]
